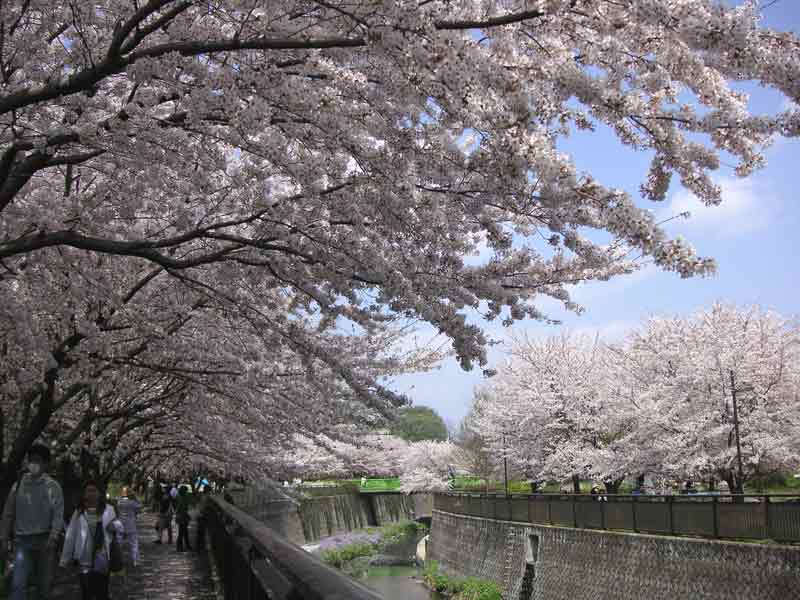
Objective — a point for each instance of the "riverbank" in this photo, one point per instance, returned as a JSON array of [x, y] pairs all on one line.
[[355, 552], [385, 558]]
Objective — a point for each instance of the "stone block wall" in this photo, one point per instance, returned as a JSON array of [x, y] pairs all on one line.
[[541, 562], [311, 519], [390, 508], [423, 505]]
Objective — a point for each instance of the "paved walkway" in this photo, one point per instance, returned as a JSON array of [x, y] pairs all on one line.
[[163, 572]]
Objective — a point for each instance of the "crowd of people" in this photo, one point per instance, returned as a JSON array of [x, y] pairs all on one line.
[[99, 539], [172, 504]]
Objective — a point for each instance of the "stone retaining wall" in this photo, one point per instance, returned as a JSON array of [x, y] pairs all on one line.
[[541, 562], [316, 517]]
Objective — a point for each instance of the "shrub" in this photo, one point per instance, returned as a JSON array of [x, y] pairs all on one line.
[[479, 589], [397, 532], [337, 558], [374, 541], [459, 589]]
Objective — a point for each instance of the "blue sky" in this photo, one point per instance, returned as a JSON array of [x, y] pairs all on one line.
[[753, 236]]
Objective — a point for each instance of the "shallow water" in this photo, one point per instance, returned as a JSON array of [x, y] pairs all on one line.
[[399, 583]]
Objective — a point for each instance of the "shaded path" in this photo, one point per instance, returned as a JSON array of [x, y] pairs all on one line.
[[163, 572]]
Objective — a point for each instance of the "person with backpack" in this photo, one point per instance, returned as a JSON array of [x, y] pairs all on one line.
[[33, 517], [91, 543]]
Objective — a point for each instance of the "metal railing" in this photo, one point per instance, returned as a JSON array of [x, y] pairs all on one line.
[[772, 516], [256, 563]]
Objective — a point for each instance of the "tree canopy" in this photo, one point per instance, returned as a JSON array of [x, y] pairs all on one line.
[[417, 423], [712, 394], [198, 199]]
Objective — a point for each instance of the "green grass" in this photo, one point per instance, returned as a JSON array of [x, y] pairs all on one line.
[[772, 485], [476, 484], [379, 485], [388, 484], [470, 588]]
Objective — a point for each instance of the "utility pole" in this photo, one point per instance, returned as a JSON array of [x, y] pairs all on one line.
[[736, 433], [505, 464]]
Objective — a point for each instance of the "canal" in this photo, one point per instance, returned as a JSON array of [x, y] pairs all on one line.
[[399, 583]]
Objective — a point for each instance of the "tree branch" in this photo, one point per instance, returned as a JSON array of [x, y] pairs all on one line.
[[491, 22], [86, 78]]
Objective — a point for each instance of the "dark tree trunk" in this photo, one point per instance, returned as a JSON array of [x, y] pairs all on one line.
[[71, 487], [735, 486], [612, 485], [576, 484]]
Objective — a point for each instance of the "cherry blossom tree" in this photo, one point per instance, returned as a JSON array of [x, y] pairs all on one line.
[[548, 409], [222, 187], [478, 456], [350, 453], [711, 395], [145, 358], [715, 393], [429, 466]]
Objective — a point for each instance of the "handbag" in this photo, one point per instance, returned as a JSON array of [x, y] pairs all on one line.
[[111, 563], [115, 562]]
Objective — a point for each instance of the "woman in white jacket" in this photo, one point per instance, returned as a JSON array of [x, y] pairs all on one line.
[[88, 540]]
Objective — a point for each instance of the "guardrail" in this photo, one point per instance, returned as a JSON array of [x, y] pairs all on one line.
[[255, 563], [773, 516]]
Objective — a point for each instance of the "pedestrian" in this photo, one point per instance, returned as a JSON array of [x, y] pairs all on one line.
[[202, 520], [158, 494], [173, 492], [182, 518], [597, 494], [165, 512], [128, 507], [34, 516], [87, 544]]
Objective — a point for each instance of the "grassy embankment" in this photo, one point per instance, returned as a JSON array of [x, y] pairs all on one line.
[[375, 541], [456, 588]]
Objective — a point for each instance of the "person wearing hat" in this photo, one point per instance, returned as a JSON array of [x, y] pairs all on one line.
[[34, 517]]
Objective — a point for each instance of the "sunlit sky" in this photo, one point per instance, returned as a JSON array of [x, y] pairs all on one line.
[[753, 235]]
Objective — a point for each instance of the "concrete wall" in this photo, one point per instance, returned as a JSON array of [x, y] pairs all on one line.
[[543, 562], [423, 505], [316, 517]]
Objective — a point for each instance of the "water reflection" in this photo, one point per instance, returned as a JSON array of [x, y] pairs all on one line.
[[399, 583]]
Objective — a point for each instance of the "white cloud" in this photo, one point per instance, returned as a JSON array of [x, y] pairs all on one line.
[[593, 291], [746, 206]]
